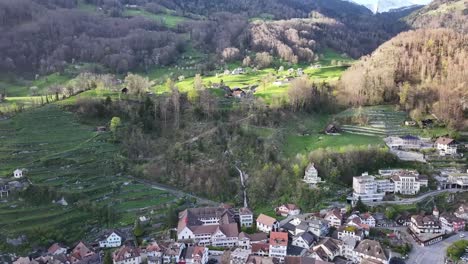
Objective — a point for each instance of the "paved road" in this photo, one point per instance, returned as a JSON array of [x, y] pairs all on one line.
[[175, 192], [434, 254], [419, 198]]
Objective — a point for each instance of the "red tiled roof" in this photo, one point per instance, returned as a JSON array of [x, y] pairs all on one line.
[[444, 141], [278, 239], [260, 247]]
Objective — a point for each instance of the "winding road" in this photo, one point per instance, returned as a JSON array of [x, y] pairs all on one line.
[[417, 199]]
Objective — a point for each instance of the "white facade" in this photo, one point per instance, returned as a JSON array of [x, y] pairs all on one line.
[[446, 146], [245, 217], [408, 184], [113, 240], [278, 251], [129, 260], [366, 188], [333, 219], [311, 175], [17, 174]]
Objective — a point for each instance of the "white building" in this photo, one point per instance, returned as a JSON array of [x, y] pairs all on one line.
[[334, 218], [245, 217], [17, 174], [278, 245], [196, 255], [311, 176], [127, 255], [462, 212], [371, 251], [266, 223], [409, 183], [288, 209], [446, 146], [111, 239], [304, 240], [366, 188]]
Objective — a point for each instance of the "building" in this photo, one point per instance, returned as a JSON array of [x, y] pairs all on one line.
[[446, 146], [261, 249], [17, 174], [196, 255], [327, 249], [350, 231], [408, 182], [450, 223], [172, 251], [127, 255], [111, 239], [365, 188], [208, 226], [404, 142], [245, 217], [57, 249], [311, 175], [334, 218], [462, 212], [80, 252], [371, 251], [247, 240], [304, 240], [425, 224], [278, 244], [239, 256], [153, 253], [287, 209], [266, 223]]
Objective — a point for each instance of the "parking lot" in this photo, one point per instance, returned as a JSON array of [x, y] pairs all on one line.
[[434, 254]]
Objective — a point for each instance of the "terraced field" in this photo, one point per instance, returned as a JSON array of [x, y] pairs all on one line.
[[74, 161]]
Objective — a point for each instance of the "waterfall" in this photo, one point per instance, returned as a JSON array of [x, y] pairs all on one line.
[[244, 189]]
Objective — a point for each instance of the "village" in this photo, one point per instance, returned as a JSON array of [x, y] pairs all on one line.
[[350, 232]]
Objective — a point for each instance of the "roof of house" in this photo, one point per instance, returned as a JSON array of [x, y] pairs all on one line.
[[291, 206], [371, 248], [303, 260], [279, 239], [422, 220], [153, 247], [245, 211], [81, 251], [409, 137], [445, 141], [308, 237], [266, 220], [124, 251], [230, 230], [330, 243], [56, 246], [366, 216], [334, 212], [260, 247], [254, 237], [451, 218], [106, 233], [261, 260]]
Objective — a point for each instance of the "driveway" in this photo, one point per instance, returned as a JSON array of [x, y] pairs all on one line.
[[433, 254]]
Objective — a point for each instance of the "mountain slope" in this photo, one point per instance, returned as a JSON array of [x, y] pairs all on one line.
[[425, 71], [378, 6], [442, 13]]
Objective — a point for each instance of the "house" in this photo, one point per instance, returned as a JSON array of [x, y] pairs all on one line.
[[278, 244], [371, 250], [57, 249], [327, 249], [111, 238], [287, 209], [261, 249], [332, 129], [238, 93], [127, 255], [196, 255], [303, 260], [266, 223], [311, 175], [304, 240], [403, 219], [253, 259], [238, 71], [247, 240], [312, 224], [462, 212], [239, 256], [17, 174], [425, 224], [245, 217], [334, 218], [80, 252], [368, 219], [404, 142], [446, 146], [153, 253], [408, 182], [350, 231], [172, 251], [451, 224]]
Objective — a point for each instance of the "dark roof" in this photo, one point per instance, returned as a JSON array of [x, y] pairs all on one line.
[[308, 237], [294, 250], [409, 137], [106, 233]]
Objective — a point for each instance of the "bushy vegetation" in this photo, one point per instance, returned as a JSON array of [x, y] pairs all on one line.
[[457, 249]]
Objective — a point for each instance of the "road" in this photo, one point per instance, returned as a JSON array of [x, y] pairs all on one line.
[[175, 192], [434, 254], [419, 198]]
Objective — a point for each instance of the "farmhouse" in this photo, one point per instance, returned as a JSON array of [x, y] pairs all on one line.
[[111, 238], [446, 146], [17, 174], [266, 223]]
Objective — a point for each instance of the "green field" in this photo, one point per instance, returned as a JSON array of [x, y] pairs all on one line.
[[60, 153], [168, 19]]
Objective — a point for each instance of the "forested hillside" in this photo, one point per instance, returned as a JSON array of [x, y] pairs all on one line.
[[442, 13], [425, 71]]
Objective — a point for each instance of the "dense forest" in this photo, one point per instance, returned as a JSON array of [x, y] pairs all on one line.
[[425, 71]]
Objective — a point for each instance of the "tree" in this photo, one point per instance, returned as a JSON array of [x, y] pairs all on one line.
[[138, 229], [263, 59], [107, 258], [115, 124], [137, 84], [360, 206]]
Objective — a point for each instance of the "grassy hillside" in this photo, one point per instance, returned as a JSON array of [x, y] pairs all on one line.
[[451, 14]]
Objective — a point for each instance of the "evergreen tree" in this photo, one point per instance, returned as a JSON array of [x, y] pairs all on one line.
[[108, 258], [138, 229]]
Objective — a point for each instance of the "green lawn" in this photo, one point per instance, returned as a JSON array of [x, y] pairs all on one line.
[[168, 19]]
